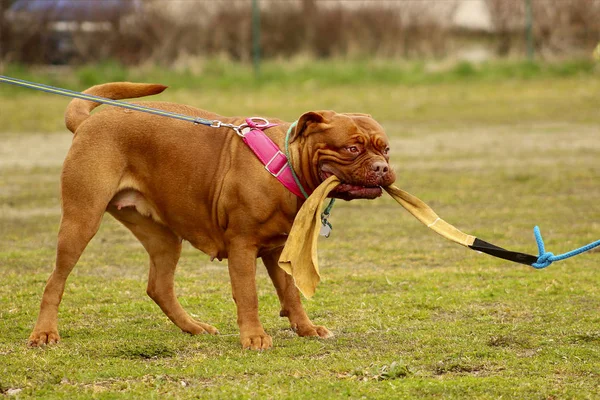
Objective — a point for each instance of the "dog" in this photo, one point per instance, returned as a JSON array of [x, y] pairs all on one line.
[[168, 180]]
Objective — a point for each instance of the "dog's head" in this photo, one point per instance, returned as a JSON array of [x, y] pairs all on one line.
[[352, 147]]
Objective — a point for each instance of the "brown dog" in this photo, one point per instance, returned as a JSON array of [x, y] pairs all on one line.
[[168, 180]]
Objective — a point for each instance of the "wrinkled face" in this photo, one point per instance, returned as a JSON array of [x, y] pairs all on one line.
[[354, 148]]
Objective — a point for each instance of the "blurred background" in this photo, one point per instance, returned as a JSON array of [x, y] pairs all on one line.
[[170, 32], [180, 34]]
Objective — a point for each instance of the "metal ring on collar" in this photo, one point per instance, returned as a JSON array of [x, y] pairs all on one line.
[[258, 122]]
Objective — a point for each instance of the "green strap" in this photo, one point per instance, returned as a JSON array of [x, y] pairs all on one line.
[[327, 211], [287, 154]]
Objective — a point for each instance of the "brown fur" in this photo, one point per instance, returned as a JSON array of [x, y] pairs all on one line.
[[169, 180]]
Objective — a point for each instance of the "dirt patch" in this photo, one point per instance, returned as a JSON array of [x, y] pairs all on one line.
[[498, 147], [16, 213], [33, 150]]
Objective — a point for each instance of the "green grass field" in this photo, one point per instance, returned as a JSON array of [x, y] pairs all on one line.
[[414, 316]]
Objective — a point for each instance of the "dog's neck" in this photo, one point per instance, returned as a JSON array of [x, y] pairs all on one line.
[[306, 172]]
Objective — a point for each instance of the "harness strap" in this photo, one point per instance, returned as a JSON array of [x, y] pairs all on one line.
[[272, 157]]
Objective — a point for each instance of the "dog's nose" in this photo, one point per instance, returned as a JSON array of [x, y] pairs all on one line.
[[380, 168]]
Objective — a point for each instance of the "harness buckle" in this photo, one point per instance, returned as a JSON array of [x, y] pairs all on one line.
[[283, 167]]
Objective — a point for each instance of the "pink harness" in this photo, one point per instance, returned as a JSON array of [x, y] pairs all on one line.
[[270, 155]]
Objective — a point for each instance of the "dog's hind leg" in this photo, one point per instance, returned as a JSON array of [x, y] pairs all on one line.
[[73, 237], [164, 248], [289, 297], [82, 213], [89, 179]]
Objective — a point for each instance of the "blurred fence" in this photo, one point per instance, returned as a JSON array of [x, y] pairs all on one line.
[[167, 31]]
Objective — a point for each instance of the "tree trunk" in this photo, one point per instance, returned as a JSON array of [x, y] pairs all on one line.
[[309, 13], [3, 33]]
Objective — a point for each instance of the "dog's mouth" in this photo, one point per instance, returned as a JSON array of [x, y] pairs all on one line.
[[348, 191]]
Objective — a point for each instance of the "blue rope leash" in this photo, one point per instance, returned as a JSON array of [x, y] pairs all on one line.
[[547, 258]]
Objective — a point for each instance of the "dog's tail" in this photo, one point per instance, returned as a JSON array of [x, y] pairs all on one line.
[[78, 110]]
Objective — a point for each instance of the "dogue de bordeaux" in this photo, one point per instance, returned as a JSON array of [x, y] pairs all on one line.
[[168, 180]]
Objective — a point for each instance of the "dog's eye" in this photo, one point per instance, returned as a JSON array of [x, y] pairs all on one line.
[[386, 150], [353, 149]]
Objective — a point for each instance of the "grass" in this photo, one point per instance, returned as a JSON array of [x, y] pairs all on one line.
[[414, 95], [414, 316], [219, 73]]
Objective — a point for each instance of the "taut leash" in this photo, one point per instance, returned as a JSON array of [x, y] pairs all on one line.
[[428, 217], [118, 103], [299, 256]]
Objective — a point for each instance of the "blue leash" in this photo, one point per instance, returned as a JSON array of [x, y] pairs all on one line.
[[547, 258]]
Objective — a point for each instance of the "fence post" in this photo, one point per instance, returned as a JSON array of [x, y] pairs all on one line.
[[529, 29], [3, 32], [256, 37]]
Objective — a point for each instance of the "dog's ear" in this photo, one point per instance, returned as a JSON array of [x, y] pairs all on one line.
[[309, 121]]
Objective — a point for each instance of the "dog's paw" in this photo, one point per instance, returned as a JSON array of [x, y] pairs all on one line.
[[199, 328], [312, 330], [43, 338], [260, 341]]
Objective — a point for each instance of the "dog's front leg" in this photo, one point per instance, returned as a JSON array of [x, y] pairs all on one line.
[[242, 271], [289, 297]]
